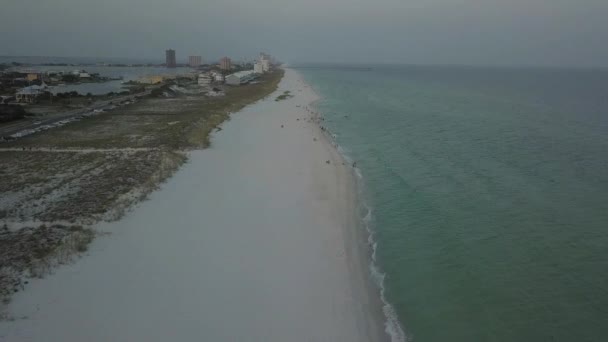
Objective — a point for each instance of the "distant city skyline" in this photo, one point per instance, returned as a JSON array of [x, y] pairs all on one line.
[[463, 32], [170, 59], [159, 59], [195, 61], [225, 63]]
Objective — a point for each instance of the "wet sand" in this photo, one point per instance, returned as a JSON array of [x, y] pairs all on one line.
[[255, 239]]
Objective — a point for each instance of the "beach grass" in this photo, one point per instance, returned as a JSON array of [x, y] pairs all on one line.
[[33, 251], [286, 95], [97, 168], [171, 123]]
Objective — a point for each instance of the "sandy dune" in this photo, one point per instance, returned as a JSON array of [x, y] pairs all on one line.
[[255, 239]]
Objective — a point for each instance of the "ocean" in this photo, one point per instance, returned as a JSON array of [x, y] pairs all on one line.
[[488, 195]]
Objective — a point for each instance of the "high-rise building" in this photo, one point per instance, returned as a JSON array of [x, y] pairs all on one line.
[[225, 63], [170, 59], [258, 68], [195, 61], [264, 55], [265, 61]]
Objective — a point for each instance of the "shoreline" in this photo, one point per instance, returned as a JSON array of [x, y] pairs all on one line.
[[257, 230], [365, 235], [66, 179], [359, 238]]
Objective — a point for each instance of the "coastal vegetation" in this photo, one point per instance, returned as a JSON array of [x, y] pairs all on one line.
[[9, 112], [286, 95], [97, 168], [33, 251]]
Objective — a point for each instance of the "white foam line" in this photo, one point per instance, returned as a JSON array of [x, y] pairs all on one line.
[[392, 325]]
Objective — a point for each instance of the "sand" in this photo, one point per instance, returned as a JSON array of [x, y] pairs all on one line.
[[254, 239]]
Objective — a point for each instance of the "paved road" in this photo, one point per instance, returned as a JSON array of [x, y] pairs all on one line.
[[18, 126]]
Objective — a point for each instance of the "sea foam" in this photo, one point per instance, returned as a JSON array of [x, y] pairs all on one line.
[[391, 325]]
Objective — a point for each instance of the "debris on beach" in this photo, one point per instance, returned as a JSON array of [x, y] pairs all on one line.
[[327, 162], [282, 126]]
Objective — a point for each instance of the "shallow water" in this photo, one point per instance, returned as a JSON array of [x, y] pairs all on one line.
[[489, 195]]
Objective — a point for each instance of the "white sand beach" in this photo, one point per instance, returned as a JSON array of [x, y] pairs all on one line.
[[255, 239]]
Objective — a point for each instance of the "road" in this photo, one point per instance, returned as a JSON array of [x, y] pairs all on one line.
[[21, 125]]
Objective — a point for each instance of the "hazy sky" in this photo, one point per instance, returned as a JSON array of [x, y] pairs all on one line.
[[511, 32]]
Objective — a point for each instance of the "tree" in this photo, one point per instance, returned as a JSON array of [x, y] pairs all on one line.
[[70, 78]]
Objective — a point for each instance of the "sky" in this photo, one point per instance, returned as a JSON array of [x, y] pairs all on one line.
[[468, 32]]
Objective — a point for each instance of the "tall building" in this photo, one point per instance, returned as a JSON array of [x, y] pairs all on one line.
[[265, 61], [170, 59], [225, 63], [195, 61], [258, 68], [265, 65]]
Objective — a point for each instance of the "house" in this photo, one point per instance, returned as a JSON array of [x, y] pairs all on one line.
[[33, 77], [218, 77], [204, 80], [30, 94], [241, 77]]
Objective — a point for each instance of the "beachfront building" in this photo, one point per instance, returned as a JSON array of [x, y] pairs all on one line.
[[33, 76], [240, 77], [218, 77], [225, 63], [170, 60], [195, 61], [204, 80], [258, 68], [30, 94], [265, 61]]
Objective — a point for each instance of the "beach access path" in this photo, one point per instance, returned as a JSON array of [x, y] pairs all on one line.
[[254, 239]]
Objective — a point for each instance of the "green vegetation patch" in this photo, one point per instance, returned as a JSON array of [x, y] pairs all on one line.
[[286, 95], [155, 122], [94, 170]]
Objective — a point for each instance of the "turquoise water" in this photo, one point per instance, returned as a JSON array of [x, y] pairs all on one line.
[[489, 195]]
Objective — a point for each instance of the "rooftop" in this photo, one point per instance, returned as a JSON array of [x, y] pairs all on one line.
[[242, 73]]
